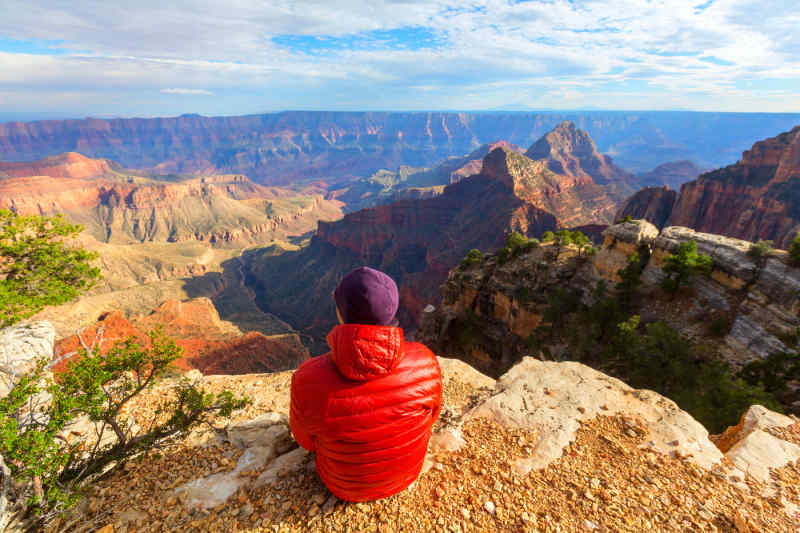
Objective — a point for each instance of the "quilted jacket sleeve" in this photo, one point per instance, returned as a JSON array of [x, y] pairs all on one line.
[[297, 417]]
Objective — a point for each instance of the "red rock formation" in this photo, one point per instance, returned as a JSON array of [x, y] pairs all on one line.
[[571, 152], [653, 204], [758, 198], [210, 344], [419, 241], [415, 241]]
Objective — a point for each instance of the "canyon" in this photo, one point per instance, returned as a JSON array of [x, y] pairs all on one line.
[[756, 198], [292, 146], [418, 241]]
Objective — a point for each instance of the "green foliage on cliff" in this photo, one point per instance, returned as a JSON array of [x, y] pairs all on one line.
[[38, 267], [759, 249], [682, 265], [774, 374], [794, 250], [473, 257], [630, 278], [652, 356], [516, 244], [658, 357], [48, 471]]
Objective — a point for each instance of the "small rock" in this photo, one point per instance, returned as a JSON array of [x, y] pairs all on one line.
[[314, 511], [465, 513], [328, 506], [246, 510], [588, 524], [489, 506]]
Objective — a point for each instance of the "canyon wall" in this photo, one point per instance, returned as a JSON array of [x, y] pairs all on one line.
[[757, 198], [285, 147]]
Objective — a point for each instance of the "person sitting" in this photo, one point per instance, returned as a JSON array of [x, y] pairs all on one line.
[[366, 408]]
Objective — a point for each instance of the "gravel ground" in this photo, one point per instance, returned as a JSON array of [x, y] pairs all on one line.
[[605, 481]]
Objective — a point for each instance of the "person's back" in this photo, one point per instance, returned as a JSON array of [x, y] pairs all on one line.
[[366, 408]]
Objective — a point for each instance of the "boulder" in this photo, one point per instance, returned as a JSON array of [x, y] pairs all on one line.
[[751, 447], [553, 398]]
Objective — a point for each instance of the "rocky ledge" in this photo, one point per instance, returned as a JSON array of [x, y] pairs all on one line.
[[549, 447], [757, 300]]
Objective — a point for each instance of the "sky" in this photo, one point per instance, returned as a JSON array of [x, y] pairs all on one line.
[[156, 58]]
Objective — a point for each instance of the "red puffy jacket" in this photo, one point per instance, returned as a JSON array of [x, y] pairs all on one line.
[[366, 408]]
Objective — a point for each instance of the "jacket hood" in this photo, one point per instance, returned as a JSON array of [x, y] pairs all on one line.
[[364, 352]]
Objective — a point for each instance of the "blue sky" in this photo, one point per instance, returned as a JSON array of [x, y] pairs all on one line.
[[89, 57]]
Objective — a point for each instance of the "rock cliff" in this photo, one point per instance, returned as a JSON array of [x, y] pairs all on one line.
[[754, 199], [653, 204], [549, 447], [489, 311]]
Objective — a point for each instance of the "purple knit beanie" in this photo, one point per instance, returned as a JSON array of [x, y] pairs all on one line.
[[367, 296]]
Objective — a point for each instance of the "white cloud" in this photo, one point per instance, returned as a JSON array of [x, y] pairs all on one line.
[[189, 92], [605, 53]]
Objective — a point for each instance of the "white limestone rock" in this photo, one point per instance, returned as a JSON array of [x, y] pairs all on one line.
[[21, 346], [552, 399]]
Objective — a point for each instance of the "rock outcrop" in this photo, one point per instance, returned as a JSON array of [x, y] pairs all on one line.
[[548, 447], [570, 151], [754, 199], [22, 346], [488, 311]]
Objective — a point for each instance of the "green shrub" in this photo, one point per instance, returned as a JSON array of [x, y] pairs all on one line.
[[473, 257], [719, 326], [794, 250], [759, 249], [630, 279], [663, 360], [37, 267], [48, 471], [548, 236], [653, 356], [627, 219], [516, 244], [774, 372], [683, 265]]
